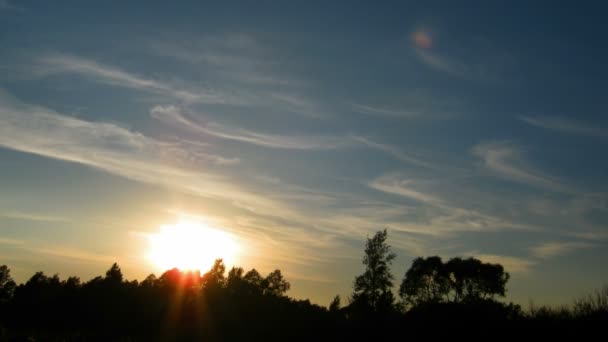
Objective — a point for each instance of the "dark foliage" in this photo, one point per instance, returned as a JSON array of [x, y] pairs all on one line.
[[430, 281], [373, 293], [175, 306], [186, 306]]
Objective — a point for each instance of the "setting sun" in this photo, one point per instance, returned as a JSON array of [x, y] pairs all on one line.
[[190, 245]]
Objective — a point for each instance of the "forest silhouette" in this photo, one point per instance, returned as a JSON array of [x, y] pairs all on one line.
[[239, 305]]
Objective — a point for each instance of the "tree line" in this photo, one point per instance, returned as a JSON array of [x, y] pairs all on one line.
[[234, 305]]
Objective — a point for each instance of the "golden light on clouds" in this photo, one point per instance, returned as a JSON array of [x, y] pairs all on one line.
[[190, 245], [422, 39]]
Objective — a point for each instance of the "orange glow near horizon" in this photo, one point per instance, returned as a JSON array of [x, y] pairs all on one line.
[[190, 245]]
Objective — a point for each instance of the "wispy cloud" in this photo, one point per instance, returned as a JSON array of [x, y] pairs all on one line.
[[8, 241], [36, 247], [294, 103], [239, 57], [250, 67], [76, 254], [441, 63], [416, 105], [435, 213], [113, 149], [510, 263], [232, 88], [506, 161], [16, 215], [132, 155], [549, 250], [174, 115], [393, 151], [467, 60], [59, 63], [422, 44], [362, 220], [365, 109], [565, 125], [394, 184], [579, 216]]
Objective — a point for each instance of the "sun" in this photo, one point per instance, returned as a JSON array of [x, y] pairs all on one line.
[[190, 245]]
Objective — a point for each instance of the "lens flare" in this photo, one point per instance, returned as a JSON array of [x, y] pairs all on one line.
[[422, 39]]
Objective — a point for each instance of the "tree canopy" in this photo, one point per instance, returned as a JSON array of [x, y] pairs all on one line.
[[372, 289], [7, 285], [429, 280]]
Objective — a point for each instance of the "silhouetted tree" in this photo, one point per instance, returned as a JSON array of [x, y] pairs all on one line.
[[235, 274], [372, 289], [254, 281], [150, 281], [459, 280], [72, 283], [183, 306], [253, 277], [334, 306], [175, 306], [7, 285], [215, 277], [114, 275], [274, 284], [427, 281], [473, 280]]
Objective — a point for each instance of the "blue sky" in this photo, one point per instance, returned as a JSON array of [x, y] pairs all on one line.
[[469, 129]]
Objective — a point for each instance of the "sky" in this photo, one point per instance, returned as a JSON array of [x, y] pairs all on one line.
[[302, 128]]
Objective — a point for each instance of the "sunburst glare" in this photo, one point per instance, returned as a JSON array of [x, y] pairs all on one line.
[[190, 245]]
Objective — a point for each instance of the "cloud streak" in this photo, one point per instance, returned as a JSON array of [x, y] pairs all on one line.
[[440, 63], [468, 63], [436, 214], [553, 249], [510, 263], [565, 125], [364, 109], [238, 57], [231, 91], [507, 162], [12, 242], [394, 184], [132, 155], [59, 63], [113, 149], [174, 115], [16, 215], [394, 152]]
